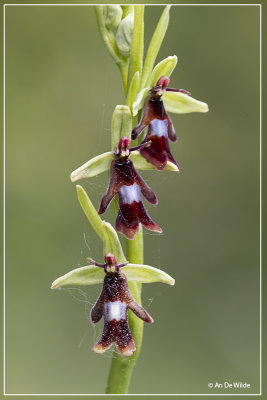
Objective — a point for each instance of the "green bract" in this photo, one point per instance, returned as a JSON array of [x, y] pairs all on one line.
[[154, 45], [91, 275], [103, 229], [121, 124], [137, 44]]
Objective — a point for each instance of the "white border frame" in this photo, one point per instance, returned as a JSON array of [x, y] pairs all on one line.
[[4, 305]]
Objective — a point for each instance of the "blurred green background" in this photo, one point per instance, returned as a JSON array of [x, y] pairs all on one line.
[[61, 89]]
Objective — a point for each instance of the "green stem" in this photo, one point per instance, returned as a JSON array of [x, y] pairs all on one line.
[[122, 367], [123, 66]]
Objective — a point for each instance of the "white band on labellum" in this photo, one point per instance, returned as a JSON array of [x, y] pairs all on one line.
[[115, 310], [159, 127], [130, 194]]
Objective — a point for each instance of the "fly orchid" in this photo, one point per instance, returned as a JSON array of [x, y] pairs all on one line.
[[160, 126], [113, 303], [122, 29], [128, 184]]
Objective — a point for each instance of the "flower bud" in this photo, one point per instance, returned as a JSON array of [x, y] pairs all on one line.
[[124, 35], [112, 16]]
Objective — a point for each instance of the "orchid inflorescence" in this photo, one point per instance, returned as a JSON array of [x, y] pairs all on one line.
[[147, 89]]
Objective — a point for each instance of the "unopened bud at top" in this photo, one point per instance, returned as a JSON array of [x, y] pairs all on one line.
[[112, 16], [124, 35]]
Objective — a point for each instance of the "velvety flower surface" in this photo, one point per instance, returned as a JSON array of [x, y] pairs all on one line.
[[128, 184], [160, 126], [113, 303]]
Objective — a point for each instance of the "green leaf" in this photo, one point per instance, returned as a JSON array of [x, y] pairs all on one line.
[[181, 103], [112, 243], [137, 45], [139, 100], [92, 275], [163, 68], [121, 124], [91, 213], [146, 274], [141, 163], [154, 46], [133, 88], [93, 167]]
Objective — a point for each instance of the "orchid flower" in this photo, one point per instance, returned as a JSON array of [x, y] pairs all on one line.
[[160, 126], [128, 184], [113, 303]]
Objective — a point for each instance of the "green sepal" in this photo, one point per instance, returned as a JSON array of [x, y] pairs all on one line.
[[181, 103], [89, 275], [121, 124], [146, 274], [93, 167], [92, 275], [163, 68], [141, 163], [154, 46]]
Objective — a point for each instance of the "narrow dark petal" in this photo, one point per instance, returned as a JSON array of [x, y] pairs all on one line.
[[140, 146], [178, 90], [93, 262]]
